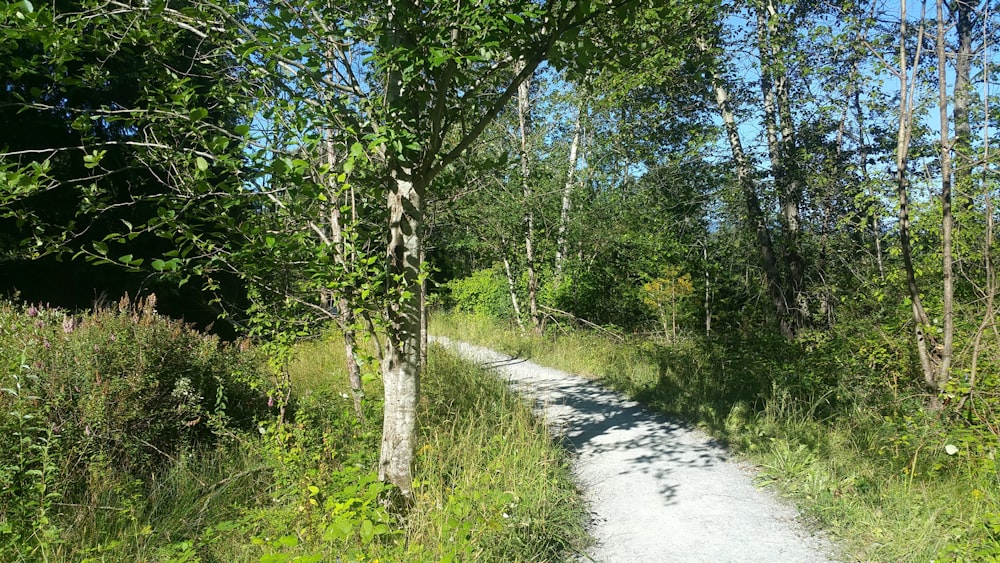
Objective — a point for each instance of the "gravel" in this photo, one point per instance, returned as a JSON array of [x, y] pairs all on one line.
[[658, 490]]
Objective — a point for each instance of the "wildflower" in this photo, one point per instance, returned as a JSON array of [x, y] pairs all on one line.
[[32, 311], [46, 344], [68, 324], [270, 401]]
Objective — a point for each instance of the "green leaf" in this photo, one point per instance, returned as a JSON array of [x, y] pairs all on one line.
[[24, 7], [100, 247], [201, 164], [93, 159], [158, 265], [197, 114], [270, 241], [367, 531], [514, 18]]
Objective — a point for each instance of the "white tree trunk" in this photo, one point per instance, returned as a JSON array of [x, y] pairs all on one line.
[[401, 361], [567, 198], [512, 288], [948, 297]]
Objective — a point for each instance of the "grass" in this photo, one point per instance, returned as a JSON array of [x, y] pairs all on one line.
[[477, 442], [856, 452], [491, 484]]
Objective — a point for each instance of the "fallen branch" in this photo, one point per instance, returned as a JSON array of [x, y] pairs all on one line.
[[584, 321]]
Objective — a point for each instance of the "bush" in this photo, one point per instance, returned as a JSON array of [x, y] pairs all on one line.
[[107, 398], [485, 293]]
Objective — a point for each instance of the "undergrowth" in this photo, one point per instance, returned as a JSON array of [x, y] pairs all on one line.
[[831, 420], [130, 437]]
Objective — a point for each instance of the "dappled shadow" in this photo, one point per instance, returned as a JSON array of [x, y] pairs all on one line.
[[658, 489], [594, 421]]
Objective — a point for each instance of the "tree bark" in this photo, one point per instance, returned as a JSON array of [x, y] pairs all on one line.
[[401, 356], [423, 313], [567, 198], [937, 383], [345, 317], [350, 345], [744, 174], [524, 127], [872, 218], [781, 148], [903, 136], [512, 288], [708, 293], [961, 99], [401, 359]]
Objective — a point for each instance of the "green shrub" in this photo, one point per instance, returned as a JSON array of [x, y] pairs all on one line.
[[485, 293], [96, 403]]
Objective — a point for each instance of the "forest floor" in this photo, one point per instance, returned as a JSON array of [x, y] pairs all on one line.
[[658, 490]]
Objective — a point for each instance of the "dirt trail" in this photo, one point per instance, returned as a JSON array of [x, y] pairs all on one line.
[[659, 491]]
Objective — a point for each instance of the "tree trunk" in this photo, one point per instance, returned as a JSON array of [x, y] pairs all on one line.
[[567, 198], [708, 293], [920, 318], [423, 313], [780, 148], [873, 220], [346, 321], [961, 98], [512, 288], [401, 356], [947, 299], [345, 313], [401, 360], [524, 127], [744, 172], [673, 310]]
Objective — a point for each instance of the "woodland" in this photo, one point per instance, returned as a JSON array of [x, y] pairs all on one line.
[[772, 218]]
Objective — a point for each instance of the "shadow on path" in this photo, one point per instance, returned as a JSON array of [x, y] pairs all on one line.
[[659, 490], [595, 421]]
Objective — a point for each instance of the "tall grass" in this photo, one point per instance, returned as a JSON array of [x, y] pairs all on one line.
[[826, 424], [491, 485]]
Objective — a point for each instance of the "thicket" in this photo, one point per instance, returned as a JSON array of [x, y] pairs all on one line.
[[836, 420]]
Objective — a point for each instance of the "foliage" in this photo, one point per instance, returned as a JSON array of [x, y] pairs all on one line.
[[105, 121], [97, 402], [242, 484], [664, 294], [485, 292]]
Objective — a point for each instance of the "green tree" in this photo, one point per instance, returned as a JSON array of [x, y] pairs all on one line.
[[664, 294]]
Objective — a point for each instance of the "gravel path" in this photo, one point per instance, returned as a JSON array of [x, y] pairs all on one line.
[[659, 491]]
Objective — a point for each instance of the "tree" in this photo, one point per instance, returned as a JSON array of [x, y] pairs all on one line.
[[416, 85], [664, 295], [385, 97], [68, 88]]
